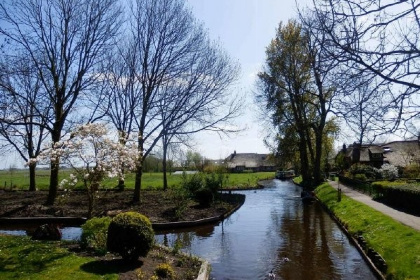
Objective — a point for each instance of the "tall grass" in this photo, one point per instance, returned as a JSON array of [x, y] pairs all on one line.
[[19, 179], [398, 244]]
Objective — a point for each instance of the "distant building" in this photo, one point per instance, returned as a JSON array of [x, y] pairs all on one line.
[[239, 162], [397, 153]]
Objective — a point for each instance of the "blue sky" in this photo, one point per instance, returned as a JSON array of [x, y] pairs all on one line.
[[244, 28]]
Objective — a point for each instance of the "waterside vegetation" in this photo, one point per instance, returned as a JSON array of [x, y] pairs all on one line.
[[399, 245]]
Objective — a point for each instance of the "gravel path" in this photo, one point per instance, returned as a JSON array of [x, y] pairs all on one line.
[[404, 218]]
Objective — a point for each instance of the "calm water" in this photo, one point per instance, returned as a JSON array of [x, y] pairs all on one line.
[[274, 231]]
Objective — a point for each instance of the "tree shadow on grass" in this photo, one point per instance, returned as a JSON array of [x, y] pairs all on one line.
[[115, 266]]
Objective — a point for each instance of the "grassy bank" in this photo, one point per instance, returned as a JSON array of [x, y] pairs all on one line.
[[398, 244], [22, 258], [19, 179]]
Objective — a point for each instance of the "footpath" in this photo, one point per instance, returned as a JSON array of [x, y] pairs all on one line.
[[404, 218]]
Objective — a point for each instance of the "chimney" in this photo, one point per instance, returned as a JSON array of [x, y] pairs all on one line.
[[356, 153]]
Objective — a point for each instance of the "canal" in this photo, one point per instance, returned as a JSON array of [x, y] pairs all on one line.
[[273, 230]]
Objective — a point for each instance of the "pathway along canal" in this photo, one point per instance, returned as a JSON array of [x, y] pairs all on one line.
[[273, 230]]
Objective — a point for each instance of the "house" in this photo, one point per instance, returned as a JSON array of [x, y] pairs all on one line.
[[398, 153], [239, 162], [364, 154], [402, 153]]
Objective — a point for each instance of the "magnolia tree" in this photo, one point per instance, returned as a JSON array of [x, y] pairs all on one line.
[[93, 156]]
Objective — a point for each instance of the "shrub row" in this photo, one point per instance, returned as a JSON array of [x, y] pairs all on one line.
[[399, 195]]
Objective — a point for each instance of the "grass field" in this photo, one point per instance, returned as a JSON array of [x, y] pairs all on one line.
[[398, 244], [19, 179]]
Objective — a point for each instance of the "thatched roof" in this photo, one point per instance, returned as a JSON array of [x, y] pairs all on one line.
[[248, 160]]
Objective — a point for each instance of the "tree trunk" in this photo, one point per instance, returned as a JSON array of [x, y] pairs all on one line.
[[55, 167], [139, 172], [304, 161], [164, 169], [137, 184], [52, 194], [32, 181], [318, 155]]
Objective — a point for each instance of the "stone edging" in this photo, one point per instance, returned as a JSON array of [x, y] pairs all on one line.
[[204, 272]]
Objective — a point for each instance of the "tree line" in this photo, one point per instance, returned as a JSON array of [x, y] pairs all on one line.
[[340, 65], [145, 68]]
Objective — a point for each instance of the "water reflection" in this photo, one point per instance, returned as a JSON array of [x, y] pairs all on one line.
[[274, 230]]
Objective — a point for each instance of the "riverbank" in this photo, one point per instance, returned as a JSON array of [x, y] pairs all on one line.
[[397, 244]]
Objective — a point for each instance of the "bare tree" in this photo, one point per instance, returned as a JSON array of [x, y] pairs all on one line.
[[65, 40], [170, 45], [25, 111], [363, 104], [381, 38], [199, 99]]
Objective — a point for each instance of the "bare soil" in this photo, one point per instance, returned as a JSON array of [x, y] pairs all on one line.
[[159, 206]]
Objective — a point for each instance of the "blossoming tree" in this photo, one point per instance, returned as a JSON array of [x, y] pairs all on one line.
[[93, 155]]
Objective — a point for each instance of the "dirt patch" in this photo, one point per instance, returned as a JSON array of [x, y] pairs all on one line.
[[159, 206]]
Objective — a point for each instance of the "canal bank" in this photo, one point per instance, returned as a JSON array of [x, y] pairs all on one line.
[[377, 235]]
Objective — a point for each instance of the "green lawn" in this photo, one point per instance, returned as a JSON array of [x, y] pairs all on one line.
[[19, 179], [22, 258], [398, 244]]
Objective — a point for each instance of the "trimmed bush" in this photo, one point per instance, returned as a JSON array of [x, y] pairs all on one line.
[[94, 234], [400, 195], [130, 235]]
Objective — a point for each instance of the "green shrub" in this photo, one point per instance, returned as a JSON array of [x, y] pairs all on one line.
[[411, 171], [370, 172], [94, 234], [204, 197], [214, 181], [165, 270], [180, 197], [192, 183], [130, 235], [360, 177]]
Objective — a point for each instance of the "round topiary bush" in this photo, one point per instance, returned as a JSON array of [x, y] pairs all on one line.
[[130, 235], [94, 234]]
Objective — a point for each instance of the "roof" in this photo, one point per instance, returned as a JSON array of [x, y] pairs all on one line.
[[398, 153], [402, 153], [248, 160]]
